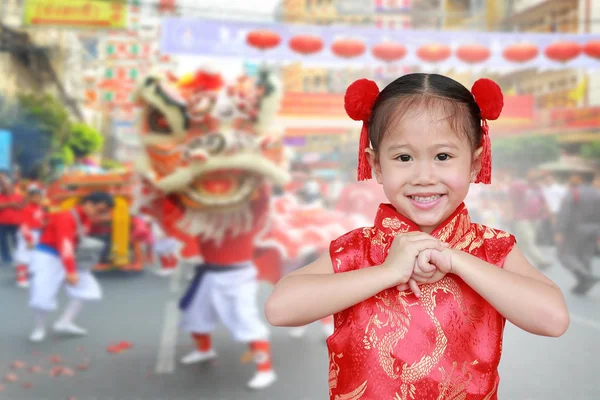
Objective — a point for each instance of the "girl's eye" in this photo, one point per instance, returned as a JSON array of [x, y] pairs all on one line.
[[403, 157], [442, 157]]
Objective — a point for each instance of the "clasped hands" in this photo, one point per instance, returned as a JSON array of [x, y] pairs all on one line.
[[416, 258]]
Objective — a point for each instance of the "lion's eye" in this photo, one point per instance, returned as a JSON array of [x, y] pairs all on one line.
[[158, 123]]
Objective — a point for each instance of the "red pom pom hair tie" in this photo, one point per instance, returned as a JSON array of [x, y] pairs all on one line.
[[358, 102], [488, 97]]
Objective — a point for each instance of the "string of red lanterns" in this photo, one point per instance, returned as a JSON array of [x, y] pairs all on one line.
[[348, 48], [561, 51], [389, 51], [263, 39], [592, 49], [473, 53], [306, 44]]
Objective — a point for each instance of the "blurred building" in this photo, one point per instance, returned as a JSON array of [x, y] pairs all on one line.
[[552, 89], [35, 59], [473, 15], [120, 59], [558, 92]]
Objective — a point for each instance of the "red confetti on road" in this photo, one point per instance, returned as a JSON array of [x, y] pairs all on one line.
[[18, 365], [114, 349], [27, 385], [11, 378], [83, 367], [125, 345], [56, 359], [35, 369], [56, 371], [68, 372], [1, 388]]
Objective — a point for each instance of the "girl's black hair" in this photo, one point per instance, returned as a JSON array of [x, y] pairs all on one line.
[[463, 113]]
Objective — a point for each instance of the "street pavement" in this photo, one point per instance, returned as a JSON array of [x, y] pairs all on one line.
[[141, 309]]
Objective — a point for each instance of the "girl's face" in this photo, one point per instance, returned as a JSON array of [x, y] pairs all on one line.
[[425, 167]]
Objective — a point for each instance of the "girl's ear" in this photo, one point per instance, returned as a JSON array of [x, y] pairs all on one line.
[[476, 163], [374, 163]]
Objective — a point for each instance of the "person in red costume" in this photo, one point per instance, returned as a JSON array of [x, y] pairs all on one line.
[[224, 289], [11, 203], [32, 220], [420, 299], [54, 263]]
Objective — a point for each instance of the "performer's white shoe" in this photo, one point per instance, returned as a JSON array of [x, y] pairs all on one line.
[[298, 331], [23, 285], [197, 356], [37, 335], [165, 272], [69, 328], [262, 380], [328, 329]]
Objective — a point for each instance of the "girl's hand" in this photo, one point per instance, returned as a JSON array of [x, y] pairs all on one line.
[[403, 254], [430, 266]]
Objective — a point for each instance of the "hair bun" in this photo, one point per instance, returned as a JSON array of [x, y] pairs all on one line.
[[359, 99], [488, 97]]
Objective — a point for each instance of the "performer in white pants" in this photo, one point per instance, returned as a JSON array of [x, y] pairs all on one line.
[[33, 217], [54, 262]]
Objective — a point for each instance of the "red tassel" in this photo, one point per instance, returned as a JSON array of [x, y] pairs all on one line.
[[364, 169], [485, 173]]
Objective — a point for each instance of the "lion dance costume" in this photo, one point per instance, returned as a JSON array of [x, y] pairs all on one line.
[[206, 176]]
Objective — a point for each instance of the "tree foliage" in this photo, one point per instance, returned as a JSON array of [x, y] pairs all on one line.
[[44, 137], [591, 151], [84, 140]]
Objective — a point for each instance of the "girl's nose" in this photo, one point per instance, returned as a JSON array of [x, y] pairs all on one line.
[[424, 174]]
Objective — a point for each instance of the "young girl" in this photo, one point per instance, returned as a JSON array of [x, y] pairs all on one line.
[[395, 339]]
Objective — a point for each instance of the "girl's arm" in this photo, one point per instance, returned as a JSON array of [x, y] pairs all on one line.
[[315, 292], [519, 292]]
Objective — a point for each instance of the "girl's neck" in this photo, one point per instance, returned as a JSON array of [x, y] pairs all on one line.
[[428, 229]]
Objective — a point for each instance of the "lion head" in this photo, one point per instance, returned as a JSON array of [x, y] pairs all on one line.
[[207, 141]]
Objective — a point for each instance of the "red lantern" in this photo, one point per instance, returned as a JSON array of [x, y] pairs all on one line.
[[263, 39], [521, 52], [592, 49], [348, 48], [166, 6], [389, 51], [563, 51], [306, 44], [473, 53], [433, 52]]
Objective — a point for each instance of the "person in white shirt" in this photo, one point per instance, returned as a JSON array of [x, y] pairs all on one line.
[[554, 193]]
